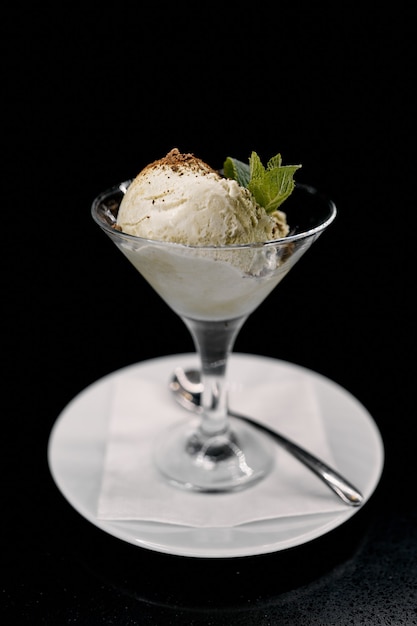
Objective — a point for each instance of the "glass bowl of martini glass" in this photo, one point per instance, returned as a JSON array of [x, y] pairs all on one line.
[[214, 289]]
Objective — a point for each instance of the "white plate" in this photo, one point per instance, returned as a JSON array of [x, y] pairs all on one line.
[[77, 446]]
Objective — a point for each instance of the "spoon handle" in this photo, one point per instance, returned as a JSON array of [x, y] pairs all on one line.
[[345, 490]]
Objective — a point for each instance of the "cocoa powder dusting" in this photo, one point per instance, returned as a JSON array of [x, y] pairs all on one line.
[[177, 161]]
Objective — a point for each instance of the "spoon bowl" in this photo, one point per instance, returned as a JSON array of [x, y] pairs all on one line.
[[187, 389]]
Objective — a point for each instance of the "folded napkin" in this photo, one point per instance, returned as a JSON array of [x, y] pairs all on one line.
[[133, 489]]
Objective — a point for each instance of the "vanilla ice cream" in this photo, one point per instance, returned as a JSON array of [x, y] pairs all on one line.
[[181, 199], [178, 223]]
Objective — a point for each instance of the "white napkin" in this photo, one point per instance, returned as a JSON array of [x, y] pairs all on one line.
[[133, 489]]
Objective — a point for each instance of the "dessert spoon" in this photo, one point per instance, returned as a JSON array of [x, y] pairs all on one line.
[[187, 389]]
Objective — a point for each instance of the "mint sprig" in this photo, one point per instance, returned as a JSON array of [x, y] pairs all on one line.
[[270, 185]]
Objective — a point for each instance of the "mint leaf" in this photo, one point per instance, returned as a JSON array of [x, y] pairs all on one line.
[[237, 170], [270, 186], [257, 170]]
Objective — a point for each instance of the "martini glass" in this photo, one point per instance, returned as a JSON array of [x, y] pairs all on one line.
[[214, 289]]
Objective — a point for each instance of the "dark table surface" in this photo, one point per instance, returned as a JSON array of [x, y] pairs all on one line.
[[89, 101]]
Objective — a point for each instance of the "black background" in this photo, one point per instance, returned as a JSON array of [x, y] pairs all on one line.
[[92, 95]]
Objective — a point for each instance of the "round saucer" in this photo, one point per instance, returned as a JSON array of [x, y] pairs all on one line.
[[77, 446]]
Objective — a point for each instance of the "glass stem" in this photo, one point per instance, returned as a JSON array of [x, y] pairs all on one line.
[[214, 342]]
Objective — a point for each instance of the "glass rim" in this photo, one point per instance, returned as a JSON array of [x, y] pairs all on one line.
[[305, 234]]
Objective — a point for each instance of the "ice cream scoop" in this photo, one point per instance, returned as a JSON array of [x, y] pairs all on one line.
[[181, 199]]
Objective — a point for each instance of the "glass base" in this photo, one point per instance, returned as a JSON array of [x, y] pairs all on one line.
[[235, 460]]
